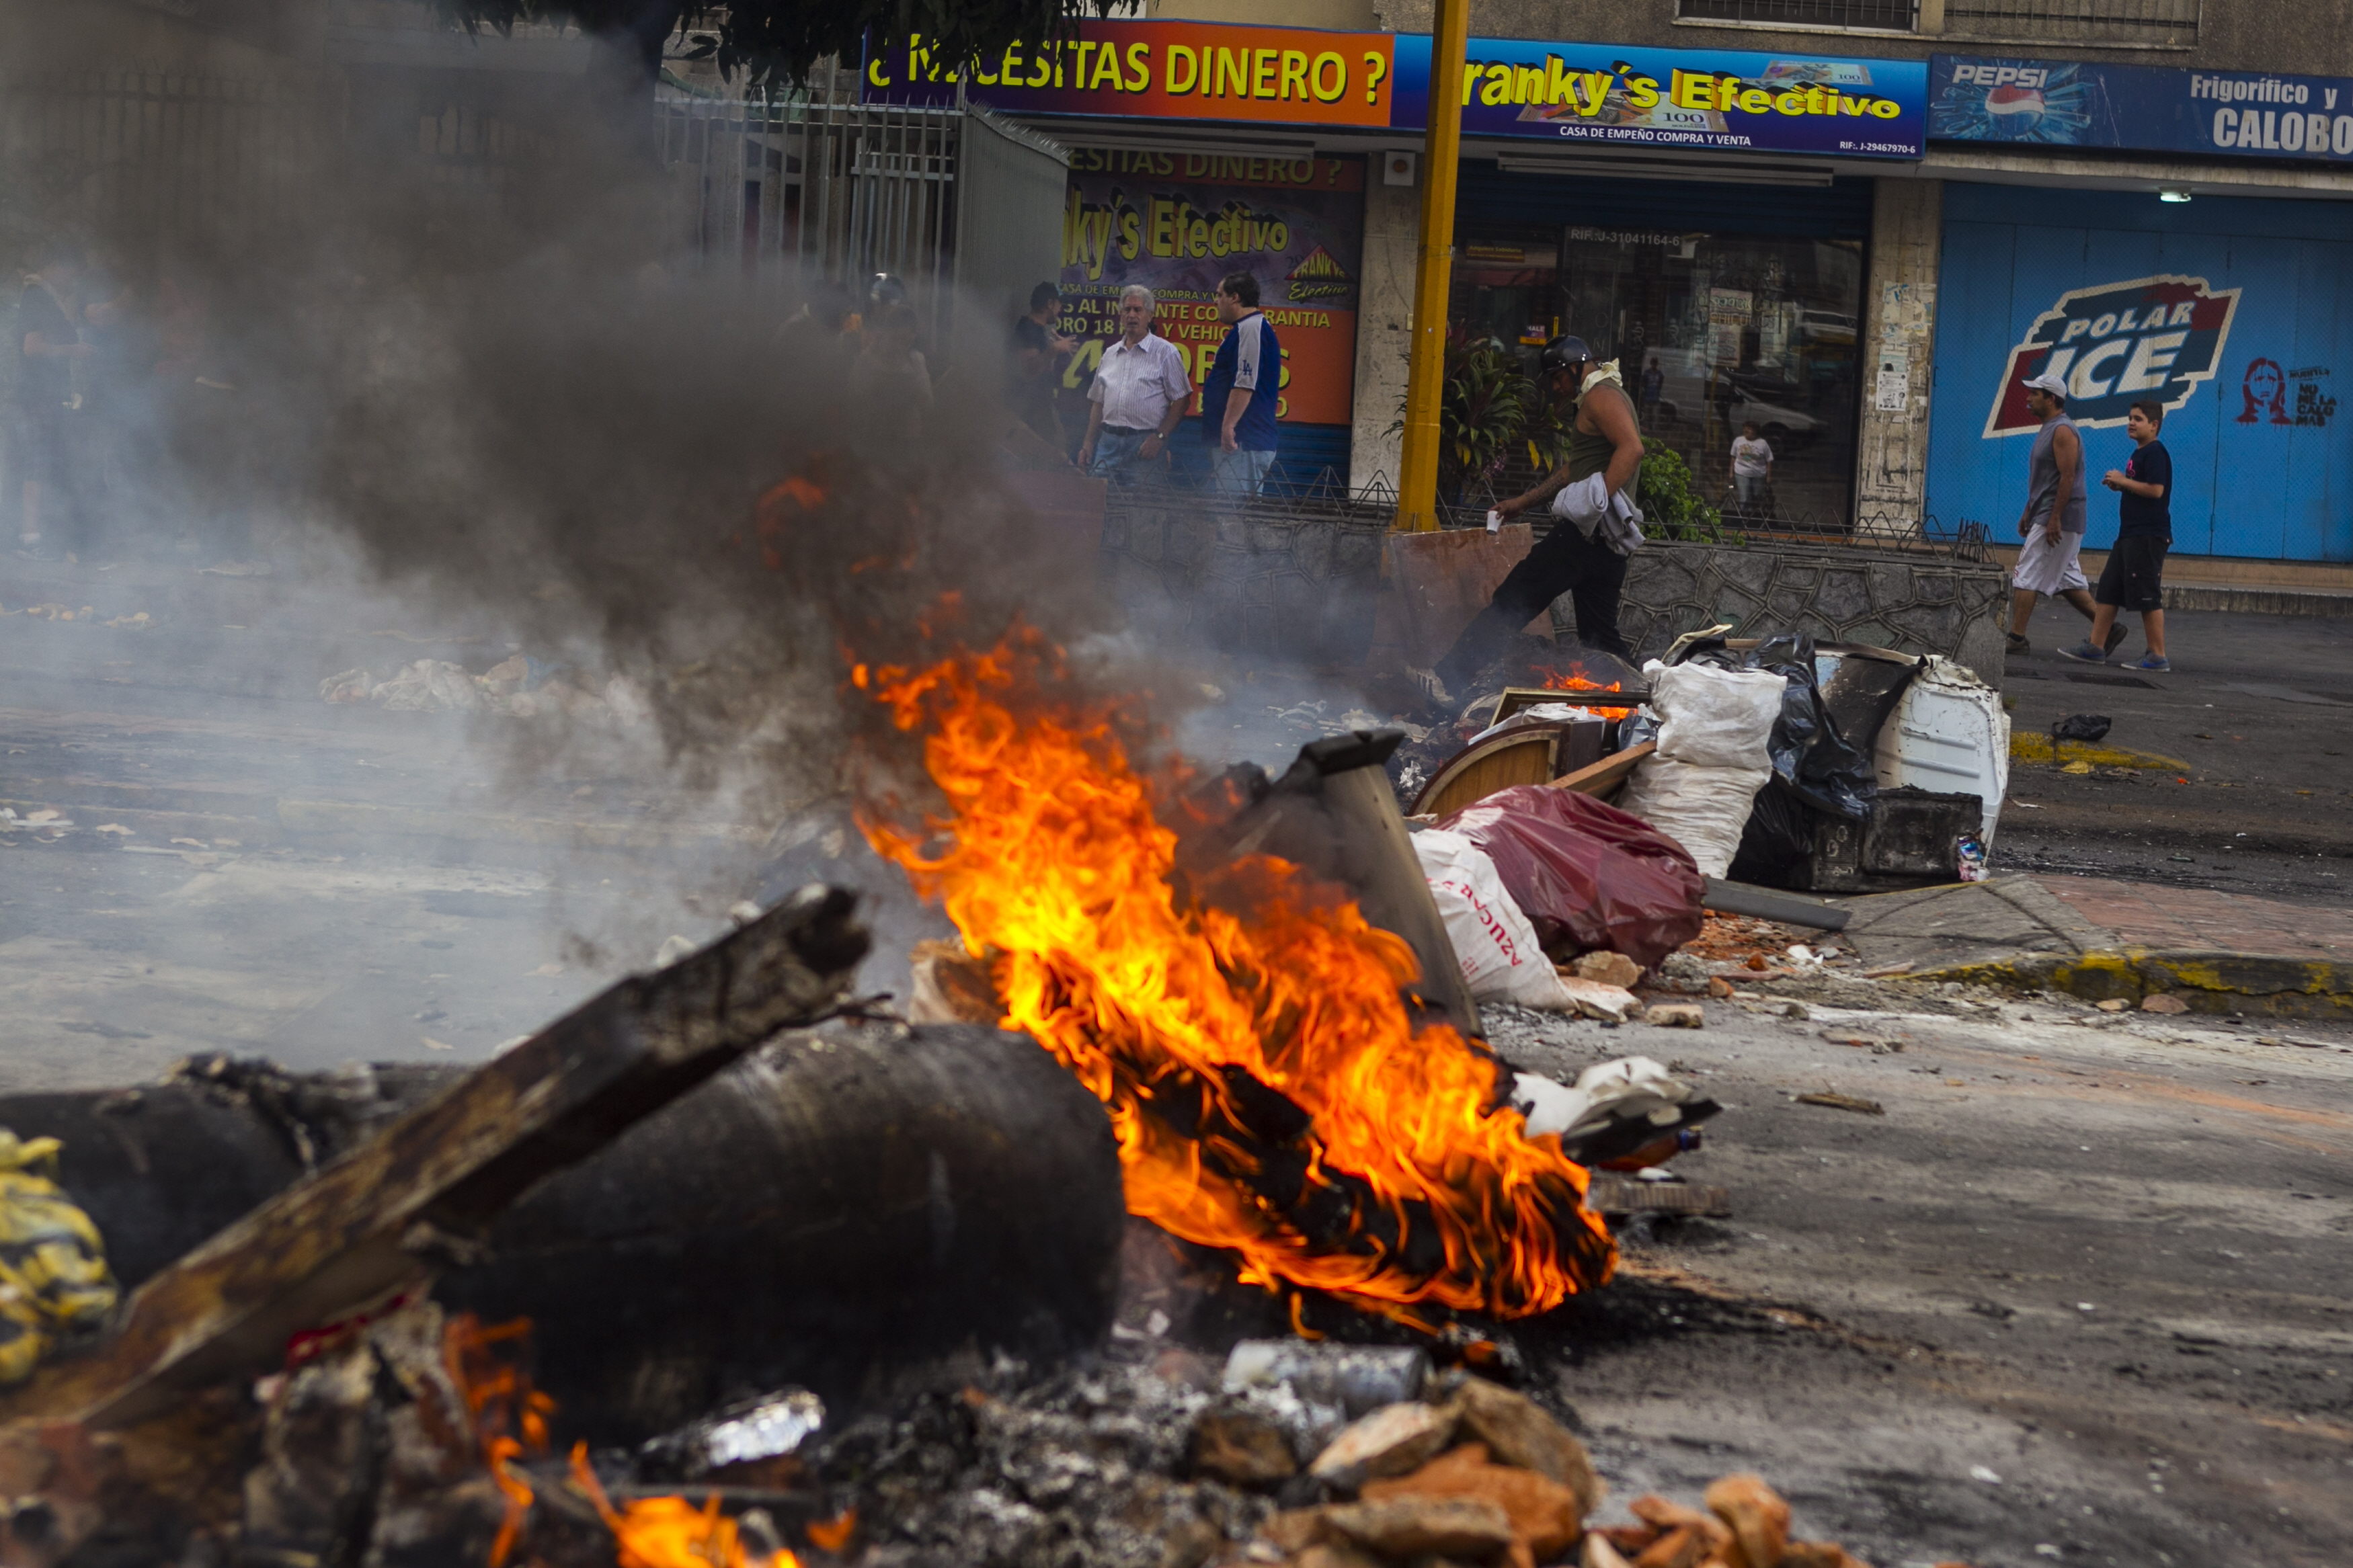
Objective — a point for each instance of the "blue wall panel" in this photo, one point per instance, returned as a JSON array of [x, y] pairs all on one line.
[[2257, 449]]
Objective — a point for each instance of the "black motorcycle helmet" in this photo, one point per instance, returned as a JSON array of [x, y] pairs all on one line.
[[1564, 353]]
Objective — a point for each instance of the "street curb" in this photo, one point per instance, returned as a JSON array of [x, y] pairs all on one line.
[[2211, 981], [2256, 601]]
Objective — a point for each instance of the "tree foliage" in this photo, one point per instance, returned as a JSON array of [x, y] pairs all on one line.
[[774, 42]]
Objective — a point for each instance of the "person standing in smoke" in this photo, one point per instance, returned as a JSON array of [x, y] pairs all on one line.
[[1592, 495], [1039, 349], [51, 349]]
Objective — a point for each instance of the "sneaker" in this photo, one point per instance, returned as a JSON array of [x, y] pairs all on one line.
[[2018, 642], [2155, 664], [2083, 653], [2115, 637]]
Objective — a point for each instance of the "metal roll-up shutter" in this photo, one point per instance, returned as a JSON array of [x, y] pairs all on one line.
[[1492, 204]]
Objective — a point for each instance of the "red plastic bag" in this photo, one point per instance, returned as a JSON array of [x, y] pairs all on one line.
[[1584, 873]]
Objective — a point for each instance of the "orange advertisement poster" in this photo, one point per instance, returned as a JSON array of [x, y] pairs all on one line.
[[1178, 222], [1162, 71]]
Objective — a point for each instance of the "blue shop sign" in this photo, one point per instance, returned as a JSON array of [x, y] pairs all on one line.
[[1701, 99], [2143, 109]]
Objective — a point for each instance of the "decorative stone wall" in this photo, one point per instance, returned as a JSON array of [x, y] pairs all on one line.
[[1922, 603], [1290, 581], [1300, 580]]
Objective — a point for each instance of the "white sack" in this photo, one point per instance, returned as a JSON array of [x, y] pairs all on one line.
[[1701, 808], [1501, 959], [1715, 718]]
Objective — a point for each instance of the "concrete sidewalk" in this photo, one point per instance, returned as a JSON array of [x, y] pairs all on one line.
[[2220, 952]]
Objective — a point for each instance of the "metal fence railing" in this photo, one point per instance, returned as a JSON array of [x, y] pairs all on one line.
[[162, 155], [803, 190], [2078, 21], [1893, 15]]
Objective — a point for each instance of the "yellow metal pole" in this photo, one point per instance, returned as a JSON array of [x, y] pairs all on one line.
[[1433, 271]]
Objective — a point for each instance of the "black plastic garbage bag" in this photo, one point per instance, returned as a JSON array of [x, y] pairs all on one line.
[[1811, 760]]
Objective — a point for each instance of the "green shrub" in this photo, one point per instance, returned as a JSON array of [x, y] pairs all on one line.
[[1672, 507]]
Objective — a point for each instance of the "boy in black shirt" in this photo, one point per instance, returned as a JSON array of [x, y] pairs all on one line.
[[2131, 580]]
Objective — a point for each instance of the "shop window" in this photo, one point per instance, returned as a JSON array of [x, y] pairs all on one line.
[[1891, 16], [2079, 21], [1712, 333]]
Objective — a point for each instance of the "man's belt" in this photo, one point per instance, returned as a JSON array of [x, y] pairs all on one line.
[[1130, 430]]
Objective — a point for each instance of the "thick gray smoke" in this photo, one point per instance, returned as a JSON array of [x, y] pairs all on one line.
[[519, 412]]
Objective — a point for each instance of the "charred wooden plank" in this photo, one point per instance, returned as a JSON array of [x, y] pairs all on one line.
[[427, 1187]]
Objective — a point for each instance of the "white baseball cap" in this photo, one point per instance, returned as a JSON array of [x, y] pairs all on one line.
[[2048, 382]]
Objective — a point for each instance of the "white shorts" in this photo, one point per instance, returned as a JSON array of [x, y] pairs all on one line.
[[2049, 567]]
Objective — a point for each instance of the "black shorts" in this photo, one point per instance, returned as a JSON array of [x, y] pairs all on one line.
[[2132, 578]]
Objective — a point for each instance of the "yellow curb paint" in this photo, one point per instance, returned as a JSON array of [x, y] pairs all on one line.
[[2028, 746]]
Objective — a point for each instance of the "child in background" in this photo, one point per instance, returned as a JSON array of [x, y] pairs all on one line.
[[2132, 578], [1752, 465]]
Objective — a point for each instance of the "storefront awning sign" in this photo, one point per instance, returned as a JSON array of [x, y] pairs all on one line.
[[1700, 99], [2146, 109], [1516, 89], [1164, 70]]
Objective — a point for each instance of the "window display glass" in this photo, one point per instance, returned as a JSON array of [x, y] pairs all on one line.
[[1713, 332]]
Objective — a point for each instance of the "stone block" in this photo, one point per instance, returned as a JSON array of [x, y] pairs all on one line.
[[1750, 567], [1517, 1431], [1844, 595], [1239, 1445], [1408, 1527], [1891, 583], [1388, 1442], [1933, 587]]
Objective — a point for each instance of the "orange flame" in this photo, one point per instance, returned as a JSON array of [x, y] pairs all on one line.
[[510, 1416], [669, 1532], [1574, 678], [1057, 871]]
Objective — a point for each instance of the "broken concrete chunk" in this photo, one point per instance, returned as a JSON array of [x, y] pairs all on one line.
[[1388, 1442], [1516, 1431], [1675, 1015], [1757, 1517], [1295, 1529], [1691, 1537], [1609, 968], [1612, 1003], [1404, 1527], [2162, 1002], [1544, 1515], [1684, 1546], [1241, 1446], [1820, 1555], [1336, 1555], [2113, 1005]]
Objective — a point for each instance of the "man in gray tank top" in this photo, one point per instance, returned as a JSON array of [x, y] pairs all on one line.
[[2051, 526]]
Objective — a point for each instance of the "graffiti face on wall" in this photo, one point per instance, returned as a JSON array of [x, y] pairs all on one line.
[[2265, 391], [2115, 344]]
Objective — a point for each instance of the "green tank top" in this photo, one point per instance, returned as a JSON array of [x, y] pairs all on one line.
[[1589, 454]]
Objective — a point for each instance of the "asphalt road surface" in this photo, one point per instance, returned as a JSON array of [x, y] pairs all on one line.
[[2258, 715], [2084, 1292]]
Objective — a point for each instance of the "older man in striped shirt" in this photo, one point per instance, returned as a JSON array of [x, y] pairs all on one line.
[[1141, 390]]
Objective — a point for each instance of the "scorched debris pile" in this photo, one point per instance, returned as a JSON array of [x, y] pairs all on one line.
[[1243, 1022]]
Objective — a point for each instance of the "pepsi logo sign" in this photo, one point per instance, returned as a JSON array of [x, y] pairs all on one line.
[[2034, 78], [2151, 338]]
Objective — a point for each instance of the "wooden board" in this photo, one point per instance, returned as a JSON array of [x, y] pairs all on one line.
[[1604, 777], [1442, 580], [427, 1187], [1470, 775]]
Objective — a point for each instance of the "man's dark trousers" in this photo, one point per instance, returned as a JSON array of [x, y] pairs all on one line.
[[1566, 561]]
